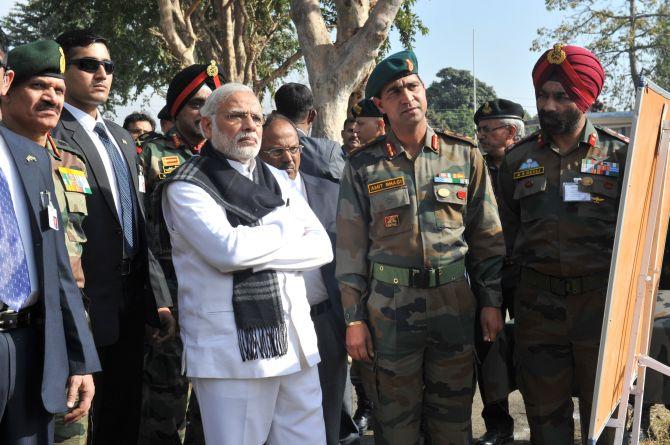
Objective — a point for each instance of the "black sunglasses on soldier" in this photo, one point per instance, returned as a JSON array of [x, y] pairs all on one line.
[[91, 65]]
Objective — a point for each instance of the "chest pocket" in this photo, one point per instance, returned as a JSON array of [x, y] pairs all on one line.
[[604, 202], [530, 194], [390, 212], [451, 204], [77, 211]]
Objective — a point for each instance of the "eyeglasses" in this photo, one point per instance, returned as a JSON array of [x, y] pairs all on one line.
[[91, 65], [487, 130], [238, 117], [278, 152]]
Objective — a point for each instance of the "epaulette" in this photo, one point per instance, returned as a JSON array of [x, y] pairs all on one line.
[[613, 133], [150, 137], [523, 140], [459, 136], [355, 151]]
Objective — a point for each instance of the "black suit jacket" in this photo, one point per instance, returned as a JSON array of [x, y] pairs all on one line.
[[321, 157], [68, 344], [322, 197], [111, 295]]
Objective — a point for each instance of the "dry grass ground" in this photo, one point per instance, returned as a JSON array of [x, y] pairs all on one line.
[[660, 422]]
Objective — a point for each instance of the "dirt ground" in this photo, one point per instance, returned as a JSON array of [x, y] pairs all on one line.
[[660, 422]]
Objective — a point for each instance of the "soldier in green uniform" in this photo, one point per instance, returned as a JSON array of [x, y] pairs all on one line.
[[559, 198], [165, 393], [499, 125], [31, 108], [416, 211]]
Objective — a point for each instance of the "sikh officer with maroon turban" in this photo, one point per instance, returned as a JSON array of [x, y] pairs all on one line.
[[559, 197]]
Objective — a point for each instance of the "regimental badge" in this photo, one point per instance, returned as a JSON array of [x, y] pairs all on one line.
[[391, 221], [62, 60], [527, 169], [74, 180], [557, 55], [31, 158], [410, 65], [357, 109], [451, 178], [212, 69], [487, 108], [600, 167]]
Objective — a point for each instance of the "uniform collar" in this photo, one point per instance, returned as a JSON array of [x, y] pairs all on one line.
[[393, 147], [589, 137], [180, 142]]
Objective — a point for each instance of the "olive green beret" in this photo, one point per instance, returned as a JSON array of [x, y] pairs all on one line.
[[41, 58], [366, 108], [393, 67], [499, 109]]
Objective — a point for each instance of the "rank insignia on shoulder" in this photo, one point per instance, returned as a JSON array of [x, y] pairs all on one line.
[[593, 138], [600, 167], [391, 221], [386, 184], [74, 180], [451, 178]]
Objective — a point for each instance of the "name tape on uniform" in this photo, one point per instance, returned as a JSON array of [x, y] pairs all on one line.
[[528, 172], [75, 180], [386, 184]]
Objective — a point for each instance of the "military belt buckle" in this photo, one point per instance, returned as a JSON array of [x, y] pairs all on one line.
[[420, 278]]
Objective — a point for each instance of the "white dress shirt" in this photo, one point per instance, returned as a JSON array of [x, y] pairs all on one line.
[[18, 194], [88, 123], [206, 250]]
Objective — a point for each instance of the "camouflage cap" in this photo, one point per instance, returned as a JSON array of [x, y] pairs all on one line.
[[499, 109], [366, 108], [40, 58], [393, 67]]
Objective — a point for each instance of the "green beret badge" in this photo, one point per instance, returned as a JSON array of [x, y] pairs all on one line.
[[212, 69], [557, 56], [410, 65], [62, 60]]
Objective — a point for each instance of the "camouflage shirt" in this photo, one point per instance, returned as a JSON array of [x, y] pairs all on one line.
[[429, 211], [71, 186], [559, 210], [158, 157]]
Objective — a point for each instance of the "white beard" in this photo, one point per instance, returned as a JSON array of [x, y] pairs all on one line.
[[229, 146]]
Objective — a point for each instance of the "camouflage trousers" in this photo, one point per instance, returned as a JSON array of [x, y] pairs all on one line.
[[170, 413], [75, 433], [557, 339], [422, 378]]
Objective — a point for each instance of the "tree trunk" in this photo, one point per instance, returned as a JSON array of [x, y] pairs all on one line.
[[335, 71], [632, 53]]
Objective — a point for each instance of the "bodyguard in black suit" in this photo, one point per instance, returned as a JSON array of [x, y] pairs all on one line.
[[320, 157], [124, 283], [280, 148], [44, 336]]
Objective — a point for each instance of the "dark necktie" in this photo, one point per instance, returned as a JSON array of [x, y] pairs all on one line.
[[123, 185], [14, 276]]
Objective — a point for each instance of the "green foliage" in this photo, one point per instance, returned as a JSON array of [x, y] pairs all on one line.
[[407, 23], [450, 101], [630, 37]]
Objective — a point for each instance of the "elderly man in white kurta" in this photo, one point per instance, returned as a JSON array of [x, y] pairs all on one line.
[[241, 238]]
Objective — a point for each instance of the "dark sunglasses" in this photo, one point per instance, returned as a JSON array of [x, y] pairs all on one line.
[[91, 65]]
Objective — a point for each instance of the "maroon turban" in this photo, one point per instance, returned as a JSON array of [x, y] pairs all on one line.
[[576, 68]]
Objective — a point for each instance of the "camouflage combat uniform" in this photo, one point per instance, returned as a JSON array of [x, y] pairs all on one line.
[[71, 186], [165, 393], [397, 214], [564, 250]]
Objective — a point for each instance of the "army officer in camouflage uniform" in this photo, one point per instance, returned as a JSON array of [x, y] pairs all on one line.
[[165, 391], [31, 108], [416, 211], [559, 198]]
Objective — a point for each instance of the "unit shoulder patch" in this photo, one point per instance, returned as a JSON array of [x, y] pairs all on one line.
[[461, 138], [362, 148]]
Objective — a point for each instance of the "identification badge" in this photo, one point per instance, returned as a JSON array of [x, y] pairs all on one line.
[[600, 167], [140, 184], [387, 184], [52, 215], [74, 180], [571, 193]]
